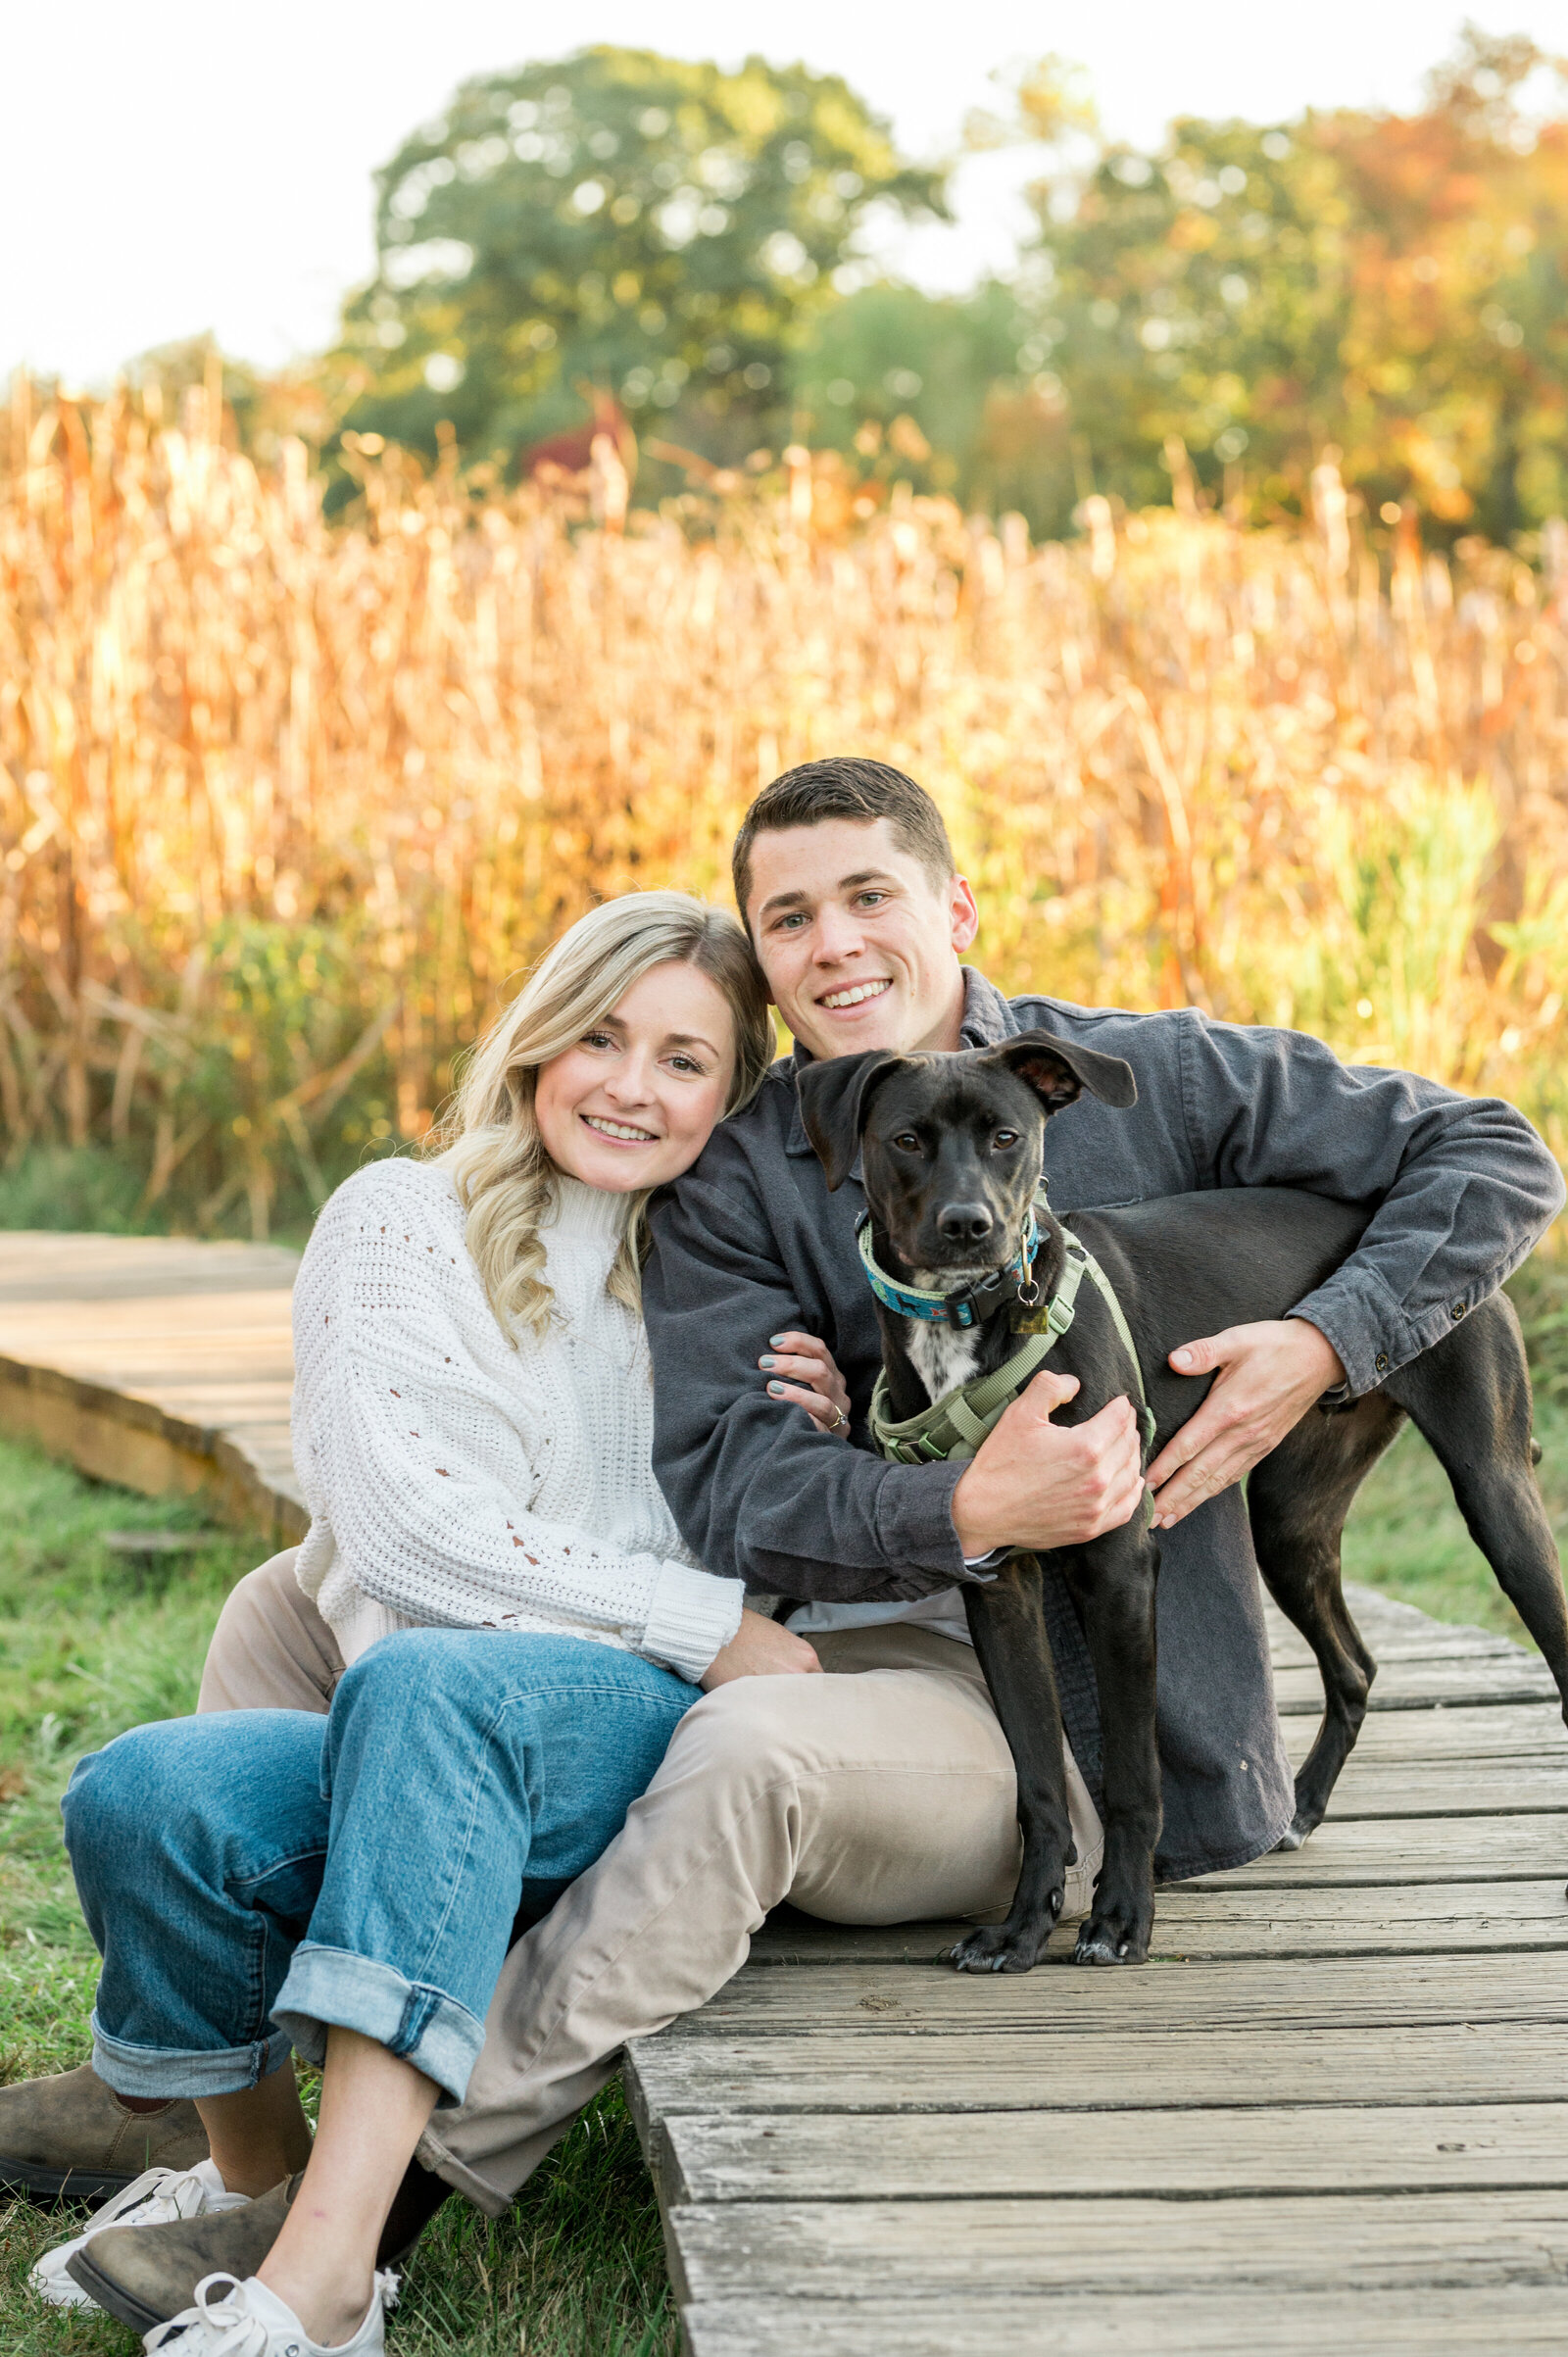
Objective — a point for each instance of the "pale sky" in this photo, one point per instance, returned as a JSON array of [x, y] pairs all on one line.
[[203, 167]]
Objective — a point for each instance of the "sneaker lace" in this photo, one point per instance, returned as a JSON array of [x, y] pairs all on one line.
[[228, 2329], [166, 2193]]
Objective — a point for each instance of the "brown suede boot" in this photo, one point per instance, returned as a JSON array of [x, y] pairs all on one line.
[[145, 2274], [70, 2139]]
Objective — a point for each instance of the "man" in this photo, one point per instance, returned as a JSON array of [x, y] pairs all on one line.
[[884, 1790]]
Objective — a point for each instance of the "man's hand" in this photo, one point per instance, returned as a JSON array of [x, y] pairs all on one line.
[[760, 1648], [1038, 1484], [1270, 1375]]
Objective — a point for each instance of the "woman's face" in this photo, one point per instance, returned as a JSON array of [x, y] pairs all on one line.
[[633, 1102]]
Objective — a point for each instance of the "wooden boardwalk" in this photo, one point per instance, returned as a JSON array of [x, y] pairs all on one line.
[[156, 1362], [1330, 2112]]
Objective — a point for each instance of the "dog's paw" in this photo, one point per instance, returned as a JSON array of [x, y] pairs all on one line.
[[1116, 1936], [1302, 1825], [997, 1948]]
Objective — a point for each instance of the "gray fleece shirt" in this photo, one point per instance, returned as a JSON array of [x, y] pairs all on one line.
[[750, 1241]]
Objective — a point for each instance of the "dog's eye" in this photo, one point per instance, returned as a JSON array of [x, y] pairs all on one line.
[[906, 1142], [1004, 1138]]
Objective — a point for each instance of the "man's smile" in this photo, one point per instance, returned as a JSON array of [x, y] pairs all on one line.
[[858, 992]]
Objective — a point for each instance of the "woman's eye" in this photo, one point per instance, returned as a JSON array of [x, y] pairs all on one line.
[[1005, 1137], [684, 1063], [596, 1038]]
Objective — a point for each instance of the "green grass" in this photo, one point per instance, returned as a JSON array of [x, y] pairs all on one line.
[[576, 2269]]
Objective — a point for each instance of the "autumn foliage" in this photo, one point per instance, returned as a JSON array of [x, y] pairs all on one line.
[[284, 805]]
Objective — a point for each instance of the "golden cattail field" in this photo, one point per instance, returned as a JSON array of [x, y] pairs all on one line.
[[285, 802]]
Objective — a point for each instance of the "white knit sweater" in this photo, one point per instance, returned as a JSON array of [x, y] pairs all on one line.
[[456, 1481]]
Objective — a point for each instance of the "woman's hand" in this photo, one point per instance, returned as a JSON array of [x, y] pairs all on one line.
[[760, 1648], [801, 1368]]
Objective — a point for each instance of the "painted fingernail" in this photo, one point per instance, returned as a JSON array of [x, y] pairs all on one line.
[[775, 1340], [765, 1362], [777, 1388]]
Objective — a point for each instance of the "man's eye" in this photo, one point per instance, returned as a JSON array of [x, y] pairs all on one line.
[[871, 900], [1005, 1138]]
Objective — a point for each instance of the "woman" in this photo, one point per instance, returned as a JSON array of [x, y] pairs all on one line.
[[521, 1624]]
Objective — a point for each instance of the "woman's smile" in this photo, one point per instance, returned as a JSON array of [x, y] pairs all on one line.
[[621, 1131]]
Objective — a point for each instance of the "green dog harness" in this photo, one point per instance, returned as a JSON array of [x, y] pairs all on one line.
[[955, 1425]]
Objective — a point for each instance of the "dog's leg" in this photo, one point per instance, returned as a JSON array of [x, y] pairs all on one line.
[[1297, 1498], [1113, 1579], [1008, 1622], [1470, 1398]]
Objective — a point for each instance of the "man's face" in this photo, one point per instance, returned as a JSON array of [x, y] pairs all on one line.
[[859, 947]]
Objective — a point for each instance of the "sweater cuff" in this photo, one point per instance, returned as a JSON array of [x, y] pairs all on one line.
[[691, 1617]]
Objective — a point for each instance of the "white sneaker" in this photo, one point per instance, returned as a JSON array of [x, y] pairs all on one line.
[[155, 2198], [231, 2319]]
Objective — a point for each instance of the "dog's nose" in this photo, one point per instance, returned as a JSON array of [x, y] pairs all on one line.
[[965, 1223]]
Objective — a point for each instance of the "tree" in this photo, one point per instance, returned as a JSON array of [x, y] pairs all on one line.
[[1393, 286], [663, 230]]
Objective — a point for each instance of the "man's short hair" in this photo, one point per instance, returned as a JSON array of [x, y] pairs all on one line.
[[862, 791]]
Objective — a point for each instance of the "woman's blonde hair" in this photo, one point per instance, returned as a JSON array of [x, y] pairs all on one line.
[[488, 1136]]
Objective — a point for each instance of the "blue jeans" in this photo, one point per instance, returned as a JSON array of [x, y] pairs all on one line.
[[251, 1876]]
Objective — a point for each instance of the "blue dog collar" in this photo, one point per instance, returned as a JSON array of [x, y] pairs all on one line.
[[960, 1306]]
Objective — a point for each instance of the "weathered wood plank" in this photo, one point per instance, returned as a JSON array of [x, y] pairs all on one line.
[[918, 2156], [1432, 1640], [1267, 1994], [1390, 1850], [1294, 2243], [39, 1265], [1414, 1918], [1479, 1679], [981, 2069], [1448, 1787], [1217, 2323], [1504, 1731]]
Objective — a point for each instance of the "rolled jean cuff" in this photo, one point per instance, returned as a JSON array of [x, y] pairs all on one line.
[[183, 2070], [331, 1986]]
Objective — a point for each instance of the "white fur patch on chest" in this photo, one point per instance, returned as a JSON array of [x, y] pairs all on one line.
[[940, 1356]]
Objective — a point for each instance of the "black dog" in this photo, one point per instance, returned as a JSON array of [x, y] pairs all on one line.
[[952, 1148]]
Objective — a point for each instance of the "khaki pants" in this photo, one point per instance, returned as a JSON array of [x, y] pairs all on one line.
[[882, 1793]]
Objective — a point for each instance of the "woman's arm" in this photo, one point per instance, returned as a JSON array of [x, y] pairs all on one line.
[[412, 1444]]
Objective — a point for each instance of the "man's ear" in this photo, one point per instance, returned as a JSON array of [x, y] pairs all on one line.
[[1058, 1072], [835, 1097]]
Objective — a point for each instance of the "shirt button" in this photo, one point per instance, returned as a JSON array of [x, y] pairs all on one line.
[[1381, 1362], [1459, 1309]]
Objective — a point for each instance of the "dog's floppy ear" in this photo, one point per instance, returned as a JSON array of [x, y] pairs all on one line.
[[1058, 1072], [834, 1098]]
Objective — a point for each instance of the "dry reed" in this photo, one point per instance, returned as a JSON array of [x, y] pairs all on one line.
[[284, 803]]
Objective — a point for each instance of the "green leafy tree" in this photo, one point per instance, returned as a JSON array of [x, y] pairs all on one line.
[[950, 366], [665, 230], [1391, 285]]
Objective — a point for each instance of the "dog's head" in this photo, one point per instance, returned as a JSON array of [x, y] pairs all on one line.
[[951, 1144]]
